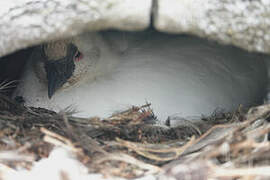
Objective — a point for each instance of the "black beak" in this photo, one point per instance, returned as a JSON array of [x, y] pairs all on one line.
[[59, 71]]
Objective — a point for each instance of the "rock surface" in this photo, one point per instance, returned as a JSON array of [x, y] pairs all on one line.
[[245, 24], [242, 23], [24, 23]]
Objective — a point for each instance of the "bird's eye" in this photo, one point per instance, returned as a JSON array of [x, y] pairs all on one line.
[[78, 56]]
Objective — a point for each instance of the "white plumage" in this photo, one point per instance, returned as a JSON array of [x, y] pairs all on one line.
[[177, 74]]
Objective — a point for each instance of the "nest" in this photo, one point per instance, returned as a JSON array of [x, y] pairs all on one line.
[[133, 144]]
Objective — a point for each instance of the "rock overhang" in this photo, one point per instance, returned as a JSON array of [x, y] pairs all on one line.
[[240, 23]]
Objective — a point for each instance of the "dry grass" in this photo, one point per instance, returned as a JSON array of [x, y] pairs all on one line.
[[7, 85], [131, 144]]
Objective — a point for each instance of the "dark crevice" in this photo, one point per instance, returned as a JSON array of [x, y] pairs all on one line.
[[153, 11], [11, 67]]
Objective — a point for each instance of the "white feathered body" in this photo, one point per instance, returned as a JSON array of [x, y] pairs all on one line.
[[176, 74]]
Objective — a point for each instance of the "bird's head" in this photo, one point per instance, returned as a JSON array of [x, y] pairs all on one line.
[[62, 63]]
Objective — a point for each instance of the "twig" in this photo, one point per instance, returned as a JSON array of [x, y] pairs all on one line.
[[130, 160], [144, 151], [240, 172]]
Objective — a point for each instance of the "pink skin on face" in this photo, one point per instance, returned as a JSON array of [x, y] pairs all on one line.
[[78, 56]]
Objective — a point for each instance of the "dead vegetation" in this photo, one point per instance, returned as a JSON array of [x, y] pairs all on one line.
[[133, 144]]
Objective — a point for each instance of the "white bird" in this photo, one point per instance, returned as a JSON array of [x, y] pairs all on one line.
[[113, 70]]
